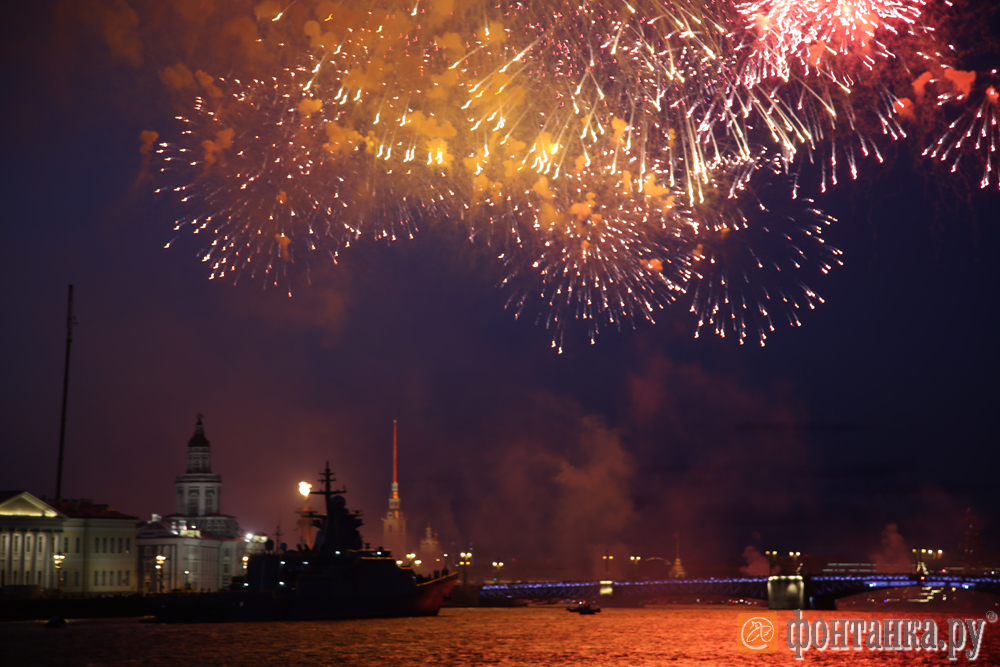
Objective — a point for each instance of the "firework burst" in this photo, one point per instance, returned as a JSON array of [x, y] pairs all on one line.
[[616, 155], [254, 169], [975, 131], [822, 34], [600, 248], [753, 251]]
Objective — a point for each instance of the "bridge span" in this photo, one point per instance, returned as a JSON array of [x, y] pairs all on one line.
[[781, 592]]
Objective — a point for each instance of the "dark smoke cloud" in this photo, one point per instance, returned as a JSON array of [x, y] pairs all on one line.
[[706, 429], [556, 499]]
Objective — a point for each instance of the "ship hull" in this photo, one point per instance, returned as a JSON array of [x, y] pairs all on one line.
[[312, 603]]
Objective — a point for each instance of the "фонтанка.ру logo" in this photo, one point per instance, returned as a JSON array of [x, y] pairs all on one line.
[[758, 633]]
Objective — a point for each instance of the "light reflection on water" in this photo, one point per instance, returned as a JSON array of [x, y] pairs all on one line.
[[545, 636]]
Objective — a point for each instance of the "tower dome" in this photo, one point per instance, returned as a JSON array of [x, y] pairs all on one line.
[[198, 439]]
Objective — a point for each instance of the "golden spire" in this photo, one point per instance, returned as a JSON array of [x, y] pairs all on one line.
[[395, 484]]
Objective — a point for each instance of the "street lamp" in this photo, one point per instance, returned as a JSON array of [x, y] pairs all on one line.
[[466, 560], [796, 555], [635, 567], [160, 560], [57, 560], [497, 566], [607, 565]]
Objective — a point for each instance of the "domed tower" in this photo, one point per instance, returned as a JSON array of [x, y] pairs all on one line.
[[199, 491]]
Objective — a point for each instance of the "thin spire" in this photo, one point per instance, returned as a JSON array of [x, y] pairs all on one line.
[[394, 498]]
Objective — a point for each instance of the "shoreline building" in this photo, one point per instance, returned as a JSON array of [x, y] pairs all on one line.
[[197, 547], [394, 521], [74, 546], [678, 571], [430, 554]]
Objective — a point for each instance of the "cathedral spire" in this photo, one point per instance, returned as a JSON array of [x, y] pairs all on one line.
[[395, 479], [394, 522]]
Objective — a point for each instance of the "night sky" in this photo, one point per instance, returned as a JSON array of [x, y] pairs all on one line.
[[879, 409]]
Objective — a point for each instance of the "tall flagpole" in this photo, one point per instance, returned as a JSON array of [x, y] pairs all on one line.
[[62, 425]]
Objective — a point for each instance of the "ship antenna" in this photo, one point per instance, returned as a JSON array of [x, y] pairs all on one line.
[[326, 479]]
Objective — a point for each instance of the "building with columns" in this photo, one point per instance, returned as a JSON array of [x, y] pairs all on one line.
[[197, 547], [93, 544]]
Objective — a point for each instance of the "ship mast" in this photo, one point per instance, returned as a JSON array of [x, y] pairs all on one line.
[[327, 479]]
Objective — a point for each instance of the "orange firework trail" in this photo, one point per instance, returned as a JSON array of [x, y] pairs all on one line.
[[619, 156], [976, 130]]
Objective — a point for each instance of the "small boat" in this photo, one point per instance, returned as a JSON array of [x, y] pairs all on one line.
[[584, 609], [338, 578]]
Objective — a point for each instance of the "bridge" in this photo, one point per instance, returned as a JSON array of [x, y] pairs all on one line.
[[781, 592]]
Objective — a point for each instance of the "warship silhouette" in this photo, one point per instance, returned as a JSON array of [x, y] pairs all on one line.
[[338, 578]]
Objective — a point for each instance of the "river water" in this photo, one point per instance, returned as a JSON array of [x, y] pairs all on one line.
[[535, 636]]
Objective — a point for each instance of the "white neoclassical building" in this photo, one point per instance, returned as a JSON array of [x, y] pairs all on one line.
[[197, 547], [92, 543]]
